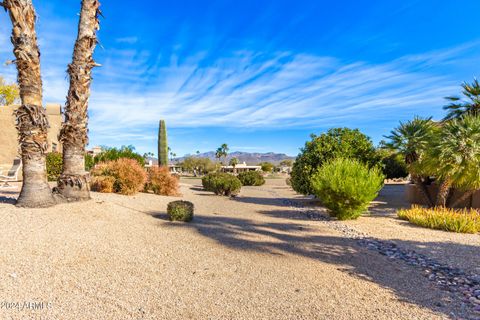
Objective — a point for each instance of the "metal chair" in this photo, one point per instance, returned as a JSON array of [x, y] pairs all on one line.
[[12, 174]]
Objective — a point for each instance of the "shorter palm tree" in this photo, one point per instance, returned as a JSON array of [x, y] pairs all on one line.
[[457, 108], [233, 162], [412, 139]]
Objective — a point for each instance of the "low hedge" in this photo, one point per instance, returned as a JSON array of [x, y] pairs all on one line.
[[222, 184], [251, 178]]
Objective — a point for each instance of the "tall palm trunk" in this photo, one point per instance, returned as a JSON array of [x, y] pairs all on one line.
[[443, 192], [73, 182], [31, 119]]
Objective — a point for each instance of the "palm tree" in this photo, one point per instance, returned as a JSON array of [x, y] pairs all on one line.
[[32, 123], [233, 162], [411, 139], [458, 108], [225, 150], [73, 182], [455, 158]]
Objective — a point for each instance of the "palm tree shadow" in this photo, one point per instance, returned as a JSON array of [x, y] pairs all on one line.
[[291, 238]]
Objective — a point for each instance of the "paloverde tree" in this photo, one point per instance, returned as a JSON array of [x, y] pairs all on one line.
[[73, 183], [470, 106], [9, 93], [412, 139], [31, 119]]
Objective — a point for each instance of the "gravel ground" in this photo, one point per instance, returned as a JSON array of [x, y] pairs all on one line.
[[254, 257]]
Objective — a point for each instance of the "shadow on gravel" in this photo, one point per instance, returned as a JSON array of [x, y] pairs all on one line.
[[405, 281]]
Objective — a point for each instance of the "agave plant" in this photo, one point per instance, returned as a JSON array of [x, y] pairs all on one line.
[[412, 139], [471, 105]]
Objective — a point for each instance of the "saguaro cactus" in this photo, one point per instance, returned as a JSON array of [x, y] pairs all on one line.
[[162, 144]]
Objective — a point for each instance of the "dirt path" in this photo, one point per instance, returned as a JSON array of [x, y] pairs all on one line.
[[117, 257]]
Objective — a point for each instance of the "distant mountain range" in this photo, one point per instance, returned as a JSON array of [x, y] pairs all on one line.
[[248, 157]]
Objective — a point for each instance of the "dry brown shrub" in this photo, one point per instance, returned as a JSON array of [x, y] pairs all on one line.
[[129, 176], [162, 182], [102, 184]]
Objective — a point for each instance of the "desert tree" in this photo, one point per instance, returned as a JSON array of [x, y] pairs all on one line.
[[9, 92], [73, 182], [31, 120]]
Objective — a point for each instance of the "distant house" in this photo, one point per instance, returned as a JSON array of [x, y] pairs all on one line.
[[241, 167], [9, 135]]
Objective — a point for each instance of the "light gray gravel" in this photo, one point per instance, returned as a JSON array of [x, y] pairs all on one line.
[[117, 257]]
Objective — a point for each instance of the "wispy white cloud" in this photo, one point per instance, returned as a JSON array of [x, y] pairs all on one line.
[[249, 89]]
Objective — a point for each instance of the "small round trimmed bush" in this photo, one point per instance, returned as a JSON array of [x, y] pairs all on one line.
[[102, 184], [180, 210], [251, 178], [162, 182], [346, 187], [222, 184]]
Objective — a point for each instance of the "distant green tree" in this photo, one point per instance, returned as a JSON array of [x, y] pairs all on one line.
[[222, 152], [286, 163], [109, 154], [9, 93], [267, 166], [336, 143]]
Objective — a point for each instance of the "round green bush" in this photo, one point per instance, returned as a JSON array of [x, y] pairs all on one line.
[[222, 184], [346, 187], [251, 178], [336, 143], [180, 210]]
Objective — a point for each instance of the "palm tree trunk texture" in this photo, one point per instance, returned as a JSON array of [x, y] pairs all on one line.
[[423, 189], [31, 119], [443, 192], [73, 182], [464, 197]]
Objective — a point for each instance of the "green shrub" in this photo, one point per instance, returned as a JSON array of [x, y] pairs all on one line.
[[394, 166], [336, 143], [89, 162], [346, 187], [54, 165], [463, 221], [251, 178], [180, 210], [223, 184], [110, 154]]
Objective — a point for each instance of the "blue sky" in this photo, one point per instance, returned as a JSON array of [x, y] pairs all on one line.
[[259, 75]]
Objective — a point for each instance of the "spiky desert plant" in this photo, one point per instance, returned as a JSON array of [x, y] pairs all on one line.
[[31, 119], [162, 144], [471, 105], [72, 183], [411, 139]]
